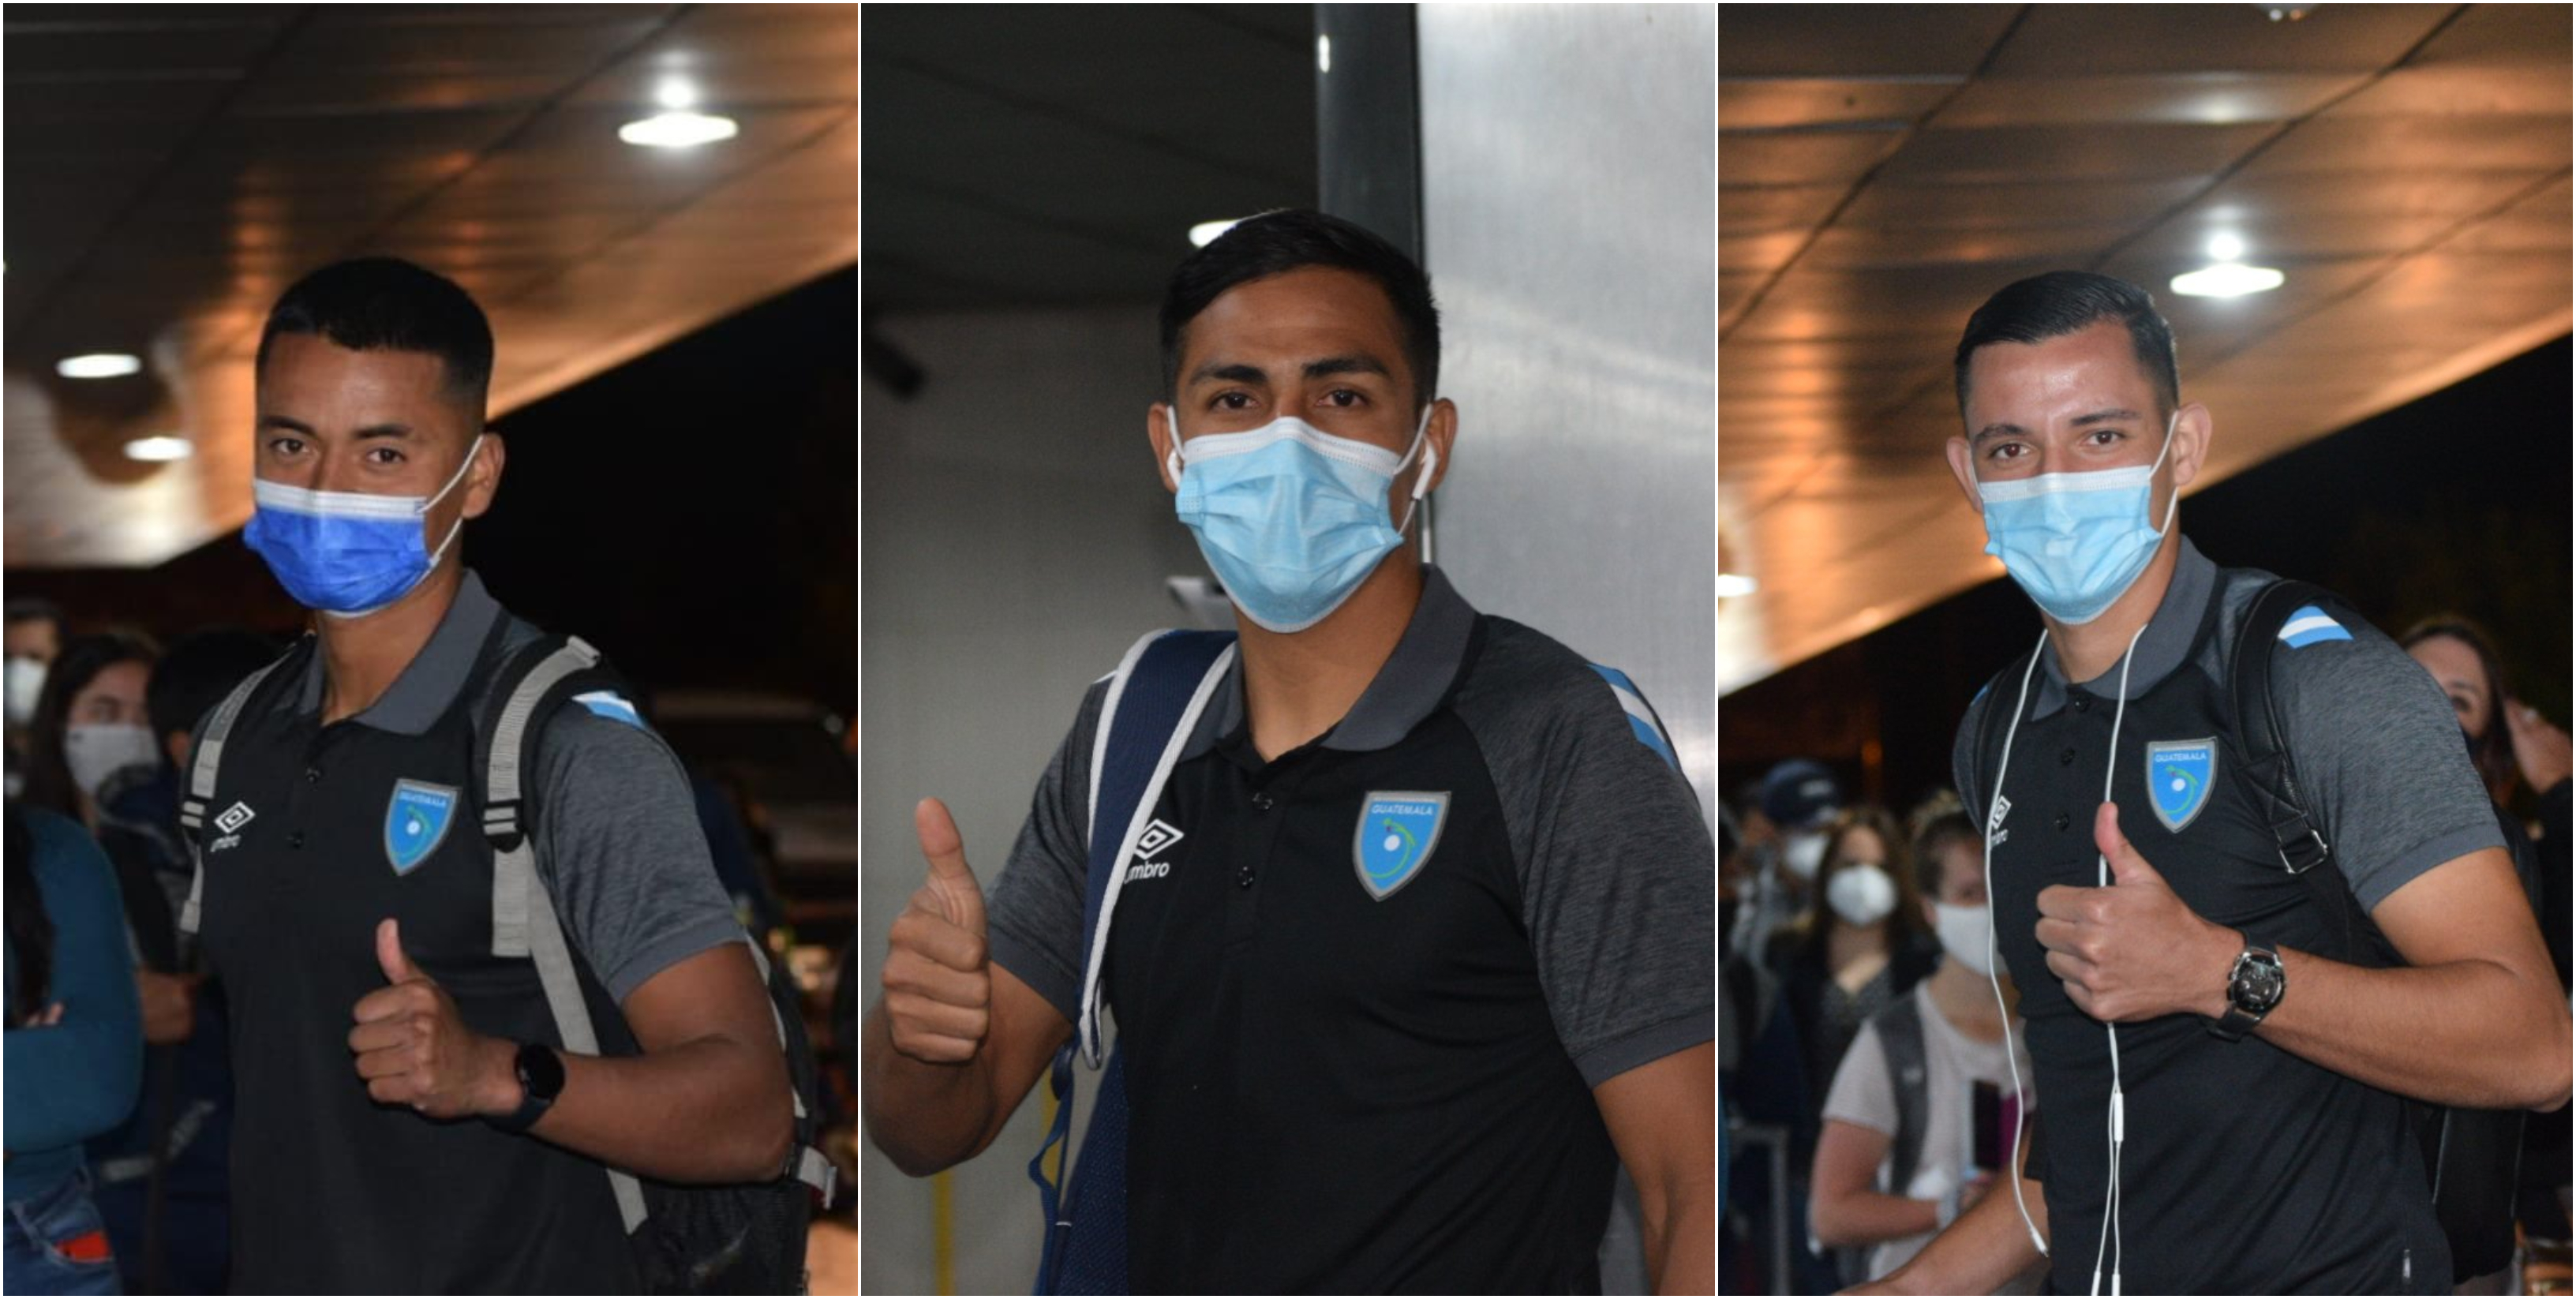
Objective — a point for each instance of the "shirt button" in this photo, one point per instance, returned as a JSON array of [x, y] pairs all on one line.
[[1262, 802], [295, 839], [2083, 703], [1243, 878], [2066, 758], [312, 774], [2061, 820]]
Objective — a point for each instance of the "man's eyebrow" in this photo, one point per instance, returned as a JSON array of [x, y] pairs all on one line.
[[2102, 416], [1238, 372], [1997, 430], [1230, 371], [290, 425], [382, 431]]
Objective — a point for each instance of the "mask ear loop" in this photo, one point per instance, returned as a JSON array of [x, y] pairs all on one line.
[[1994, 959], [1421, 479], [1172, 455], [452, 481]]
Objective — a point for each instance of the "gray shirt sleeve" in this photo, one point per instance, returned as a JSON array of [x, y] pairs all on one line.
[[1617, 871], [624, 857], [1033, 913], [2380, 756]]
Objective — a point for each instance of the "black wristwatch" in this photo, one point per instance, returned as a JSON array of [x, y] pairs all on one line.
[[2254, 987], [541, 1079]]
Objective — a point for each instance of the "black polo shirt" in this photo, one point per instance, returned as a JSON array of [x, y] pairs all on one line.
[[1355, 1064], [2245, 1168], [316, 833]]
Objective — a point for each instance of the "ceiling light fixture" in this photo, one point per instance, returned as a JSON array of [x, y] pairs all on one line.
[[1732, 586], [160, 447], [1206, 232], [2226, 280], [2225, 247], [678, 129], [99, 365], [1323, 54]]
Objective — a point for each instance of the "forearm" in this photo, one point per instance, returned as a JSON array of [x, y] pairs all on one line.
[[1684, 1245], [1866, 1217], [709, 1110], [925, 1117], [1986, 1246], [71, 1081], [2467, 1033]]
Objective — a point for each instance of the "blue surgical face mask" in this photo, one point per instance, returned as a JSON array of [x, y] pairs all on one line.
[[346, 554], [2076, 542], [1292, 518]]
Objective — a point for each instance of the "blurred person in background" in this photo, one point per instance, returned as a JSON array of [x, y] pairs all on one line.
[[1784, 844], [162, 1175], [90, 725], [33, 636], [74, 1048], [1866, 945], [1898, 1158]]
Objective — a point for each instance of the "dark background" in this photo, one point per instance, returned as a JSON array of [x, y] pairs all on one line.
[[693, 513], [2457, 502]]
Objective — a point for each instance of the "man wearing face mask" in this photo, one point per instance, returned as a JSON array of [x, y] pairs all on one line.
[[409, 1118], [2225, 999], [1420, 950]]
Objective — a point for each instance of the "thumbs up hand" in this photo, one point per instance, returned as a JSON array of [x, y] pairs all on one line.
[[413, 1048], [2134, 950], [937, 977]]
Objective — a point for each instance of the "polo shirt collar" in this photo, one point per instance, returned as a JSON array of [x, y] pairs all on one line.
[[433, 678], [2161, 649], [1406, 689]]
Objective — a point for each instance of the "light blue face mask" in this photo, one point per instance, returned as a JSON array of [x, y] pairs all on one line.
[[2076, 542], [1292, 518], [346, 554]]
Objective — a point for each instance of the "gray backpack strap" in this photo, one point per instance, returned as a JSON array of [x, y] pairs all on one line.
[[513, 871], [201, 786], [553, 956], [1900, 1036]]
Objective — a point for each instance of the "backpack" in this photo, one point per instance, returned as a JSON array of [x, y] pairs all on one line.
[[2471, 1157], [1154, 702], [743, 1238]]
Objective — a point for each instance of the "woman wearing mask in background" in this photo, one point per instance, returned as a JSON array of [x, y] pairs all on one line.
[[90, 725], [1863, 947], [74, 1050], [1904, 1091]]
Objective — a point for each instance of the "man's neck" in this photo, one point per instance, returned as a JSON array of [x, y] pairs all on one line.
[[1296, 686], [2094, 648], [362, 657]]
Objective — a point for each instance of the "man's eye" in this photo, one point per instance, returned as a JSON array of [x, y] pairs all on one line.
[[1336, 394], [285, 446], [384, 456], [1228, 400]]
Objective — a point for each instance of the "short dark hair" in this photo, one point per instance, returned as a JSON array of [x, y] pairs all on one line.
[[1276, 242], [1932, 842], [49, 773], [385, 303], [197, 672], [33, 608], [2060, 303]]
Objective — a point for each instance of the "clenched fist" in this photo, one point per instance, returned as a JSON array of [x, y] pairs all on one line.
[[938, 983]]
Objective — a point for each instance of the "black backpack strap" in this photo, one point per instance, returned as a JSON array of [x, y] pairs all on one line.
[[2267, 771], [1900, 1037], [2002, 696], [205, 763]]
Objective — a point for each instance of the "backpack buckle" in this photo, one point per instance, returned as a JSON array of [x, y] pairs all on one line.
[[2304, 859], [501, 826]]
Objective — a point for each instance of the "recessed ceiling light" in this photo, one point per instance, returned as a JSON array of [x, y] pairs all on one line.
[[160, 447], [678, 129], [2226, 247], [1323, 54], [676, 94], [99, 365], [2229, 280], [1734, 585], [1206, 232]]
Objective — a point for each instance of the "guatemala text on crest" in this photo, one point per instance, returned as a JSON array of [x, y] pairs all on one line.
[[416, 821], [2178, 776], [1395, 836]]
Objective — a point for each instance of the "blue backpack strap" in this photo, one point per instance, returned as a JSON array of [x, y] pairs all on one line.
[[1153, 704]]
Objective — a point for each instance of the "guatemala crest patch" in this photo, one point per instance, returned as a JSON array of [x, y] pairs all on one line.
[[416, 821], [1396, 834], [2178, 775]]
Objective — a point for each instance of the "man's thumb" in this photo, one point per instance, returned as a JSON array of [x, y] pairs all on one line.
[[2127, 867], [389, 953], [950, 876]]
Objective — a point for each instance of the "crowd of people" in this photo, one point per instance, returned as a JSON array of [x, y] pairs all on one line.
[[1872, 1066]]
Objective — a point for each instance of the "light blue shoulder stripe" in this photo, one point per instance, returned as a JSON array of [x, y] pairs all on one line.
[[1641, 719], [613, 706], [2309, 624]]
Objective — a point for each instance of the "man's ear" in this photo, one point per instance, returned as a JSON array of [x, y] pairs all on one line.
[[483, 476], [1163, 431], [2192, 429], [1437, 440], [1963, 468]]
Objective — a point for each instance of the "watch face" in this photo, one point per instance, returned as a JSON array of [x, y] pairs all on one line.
[[540, 1071], [2257, 985]]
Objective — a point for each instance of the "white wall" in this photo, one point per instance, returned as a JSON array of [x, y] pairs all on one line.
[[1014, 539], [1569, 226]]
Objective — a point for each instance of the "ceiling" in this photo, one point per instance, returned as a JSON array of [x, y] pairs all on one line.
[[1883, 169], [171, 168], [1007, 170]]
